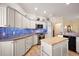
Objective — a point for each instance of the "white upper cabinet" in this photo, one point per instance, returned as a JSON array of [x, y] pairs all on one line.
[[6, 16], [25, 22], [18, 20], [10, 17], [28, 23], [32, 24], [3, 16]]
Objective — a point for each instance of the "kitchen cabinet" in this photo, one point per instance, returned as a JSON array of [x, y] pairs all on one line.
[[32, 24], [61, 49], [77, 44], [6, 16], [46, 49], [24, 22], [16, 47], [10, 17], [6, 48], [29, 43], [19, 47], [18, 20], [28, 23], [35, 39], [3, 16], [0, 50]]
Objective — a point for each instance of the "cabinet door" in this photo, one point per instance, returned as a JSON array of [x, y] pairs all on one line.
[[10, 17], [24, 22], [28, 23], [18, 20], [64, 48], [7, 48], [77, 44], [20, 47], [0, 50], [29, 43], [61, 49], [46, 48], [3, 16], [35, 39], [32, 24], [57, 50]]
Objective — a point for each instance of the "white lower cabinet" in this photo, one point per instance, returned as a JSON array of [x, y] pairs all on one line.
[[0, 50], [35, 40], [77, 44], [20, 47], [60, 49], [46, 49], [17, 47], [29, 43], [6, 48]]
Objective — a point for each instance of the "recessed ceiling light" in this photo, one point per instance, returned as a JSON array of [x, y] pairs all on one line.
[[36, 8], [67, 3], [44, 12]]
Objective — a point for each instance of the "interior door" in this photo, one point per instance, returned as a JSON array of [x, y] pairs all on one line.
[[58, 29]]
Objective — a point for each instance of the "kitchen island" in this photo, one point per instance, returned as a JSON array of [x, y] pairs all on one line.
[[54, 46]]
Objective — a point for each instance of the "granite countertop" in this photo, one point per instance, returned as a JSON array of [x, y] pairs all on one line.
[[54, 40], [13, 38], [72, 34]]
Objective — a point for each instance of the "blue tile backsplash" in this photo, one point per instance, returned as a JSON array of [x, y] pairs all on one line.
[[11, 31]]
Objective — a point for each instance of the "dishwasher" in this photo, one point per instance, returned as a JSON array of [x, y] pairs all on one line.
[[71, 43]]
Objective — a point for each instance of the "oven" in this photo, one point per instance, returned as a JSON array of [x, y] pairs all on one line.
[[40, 34]]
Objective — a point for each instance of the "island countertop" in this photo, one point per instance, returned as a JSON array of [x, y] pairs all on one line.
[[54, 40]]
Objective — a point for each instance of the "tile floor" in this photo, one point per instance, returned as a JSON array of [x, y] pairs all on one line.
[[35, 51]]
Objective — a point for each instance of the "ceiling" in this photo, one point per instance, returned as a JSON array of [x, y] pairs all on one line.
[[52, 9]]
